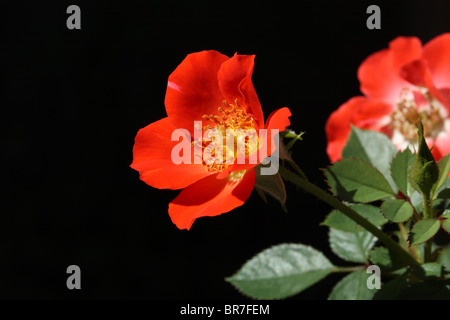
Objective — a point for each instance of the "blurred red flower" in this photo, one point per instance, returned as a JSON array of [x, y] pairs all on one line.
[[400, 84], [212, 87]]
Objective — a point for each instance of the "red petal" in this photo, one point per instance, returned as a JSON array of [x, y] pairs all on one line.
[[210, 197], [418, 73], [235, 81], [279, 120], [444, 97], [358, 111], [415, 72], [152, 158], [379, 73], [437, 54], [193, 89]]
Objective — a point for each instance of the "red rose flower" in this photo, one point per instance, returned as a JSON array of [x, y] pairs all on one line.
[[212, 87], [400, 84]]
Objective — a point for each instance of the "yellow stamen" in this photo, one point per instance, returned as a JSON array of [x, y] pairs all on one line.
[[237, 128], [406, 115]]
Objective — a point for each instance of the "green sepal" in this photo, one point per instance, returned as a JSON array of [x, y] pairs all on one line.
[[272, 185]]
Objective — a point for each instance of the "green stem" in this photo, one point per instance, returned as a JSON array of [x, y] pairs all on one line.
[[393, 246], [297, 169], [427, 207], [428, 214]]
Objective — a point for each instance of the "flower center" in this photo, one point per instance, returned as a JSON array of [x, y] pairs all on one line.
[[231, 136], [412, 106]]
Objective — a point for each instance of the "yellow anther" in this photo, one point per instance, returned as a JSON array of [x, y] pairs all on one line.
[[405, 116], [235, 126]]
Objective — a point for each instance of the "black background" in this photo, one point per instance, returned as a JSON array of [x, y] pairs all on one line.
[[73, 101]]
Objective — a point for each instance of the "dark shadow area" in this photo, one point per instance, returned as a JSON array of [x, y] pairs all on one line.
[[73, 101]]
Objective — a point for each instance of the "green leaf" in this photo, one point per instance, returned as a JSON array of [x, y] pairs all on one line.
[[429, 290], [340, 221], [402, 288], [424, 230], [400, 167], [397, 210], [444, 191], [351, 246], [271, 184], [445, 185], [444, 259], [416, 201], [442, 200], [390, 290], [353, 287], [444, 194], [373, 147], [444, 168], [355, 180], [281, 271], [381, 257], [446, 220], [431, 269], [424, 171]]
